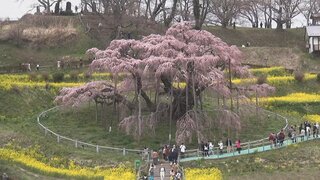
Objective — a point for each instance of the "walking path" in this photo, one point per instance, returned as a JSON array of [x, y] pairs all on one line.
[[263, 148]]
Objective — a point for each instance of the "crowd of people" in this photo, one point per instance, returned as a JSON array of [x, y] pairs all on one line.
[[207, 148], [305, 129], [171, 154]]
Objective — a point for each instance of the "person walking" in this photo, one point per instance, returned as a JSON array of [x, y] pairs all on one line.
[[182, 150], [162, 172], [210, 148], [271, 139], [151, 172], [238, 146], [281, 137], [220, 144], [229, 145]]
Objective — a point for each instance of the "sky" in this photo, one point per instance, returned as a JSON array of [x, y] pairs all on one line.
[[14, 10]]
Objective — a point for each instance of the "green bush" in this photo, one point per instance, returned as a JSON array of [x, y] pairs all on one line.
[[74, 75], [318, 77], [262, 79], [45, 76], [58, 77], [87, 75], [299, 76], [32, 76]]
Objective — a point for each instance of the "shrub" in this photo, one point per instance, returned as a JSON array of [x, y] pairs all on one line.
[[262, 79], [58, 77], [299, 76], [45, 76], [33, 76], [87, 75], [318, 77], [74, 75]]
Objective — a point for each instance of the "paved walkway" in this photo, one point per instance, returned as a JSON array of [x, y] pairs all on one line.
[[287, 142], [167, 166]]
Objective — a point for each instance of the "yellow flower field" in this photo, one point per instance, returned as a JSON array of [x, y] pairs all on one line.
[[293, 98], [274, 80], [203, 174], [73, 171], [313, 118]]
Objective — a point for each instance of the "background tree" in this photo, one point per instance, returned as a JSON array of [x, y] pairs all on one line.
[[200, 11], [250, 10], [308, 7], [291, 9], [225, 10]]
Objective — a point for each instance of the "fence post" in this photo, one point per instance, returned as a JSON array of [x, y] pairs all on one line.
[[97, 148], [124, 151], [76, 144], [58, 138], [248, 147]]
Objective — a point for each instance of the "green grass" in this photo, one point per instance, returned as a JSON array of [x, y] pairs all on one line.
[[260, 37]]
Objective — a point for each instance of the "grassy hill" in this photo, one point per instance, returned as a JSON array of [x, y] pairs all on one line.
[[20, 105]]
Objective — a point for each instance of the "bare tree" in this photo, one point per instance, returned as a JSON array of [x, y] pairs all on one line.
[[308, 7], [266, 8], [250, 10], [225, 10], [185, 8], [291, 9], [200, 11]]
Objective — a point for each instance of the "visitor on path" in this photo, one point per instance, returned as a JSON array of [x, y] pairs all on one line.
[[206, 149], [162, 172], [229, 145], [281, 137], [272, 139], [308, 130], [178, 176], [167, 152], [314, 130], [182, 150], [172, 174], [220, 144], [293, 136], [210, 148], [317, 131], [38, 67], [155, 157], [238, 146], [164, 154], [151, 172]]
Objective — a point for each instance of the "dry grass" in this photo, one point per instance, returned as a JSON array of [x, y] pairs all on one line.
[[273, 56], [40, 31]]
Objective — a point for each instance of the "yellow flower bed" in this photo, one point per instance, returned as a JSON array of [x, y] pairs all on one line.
[[203, 174], [73, 171], [293, 98], [273, 80], [313, 118]]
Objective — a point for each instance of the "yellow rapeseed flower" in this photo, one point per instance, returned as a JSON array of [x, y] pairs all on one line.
[[72, 171], [203, 174]]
